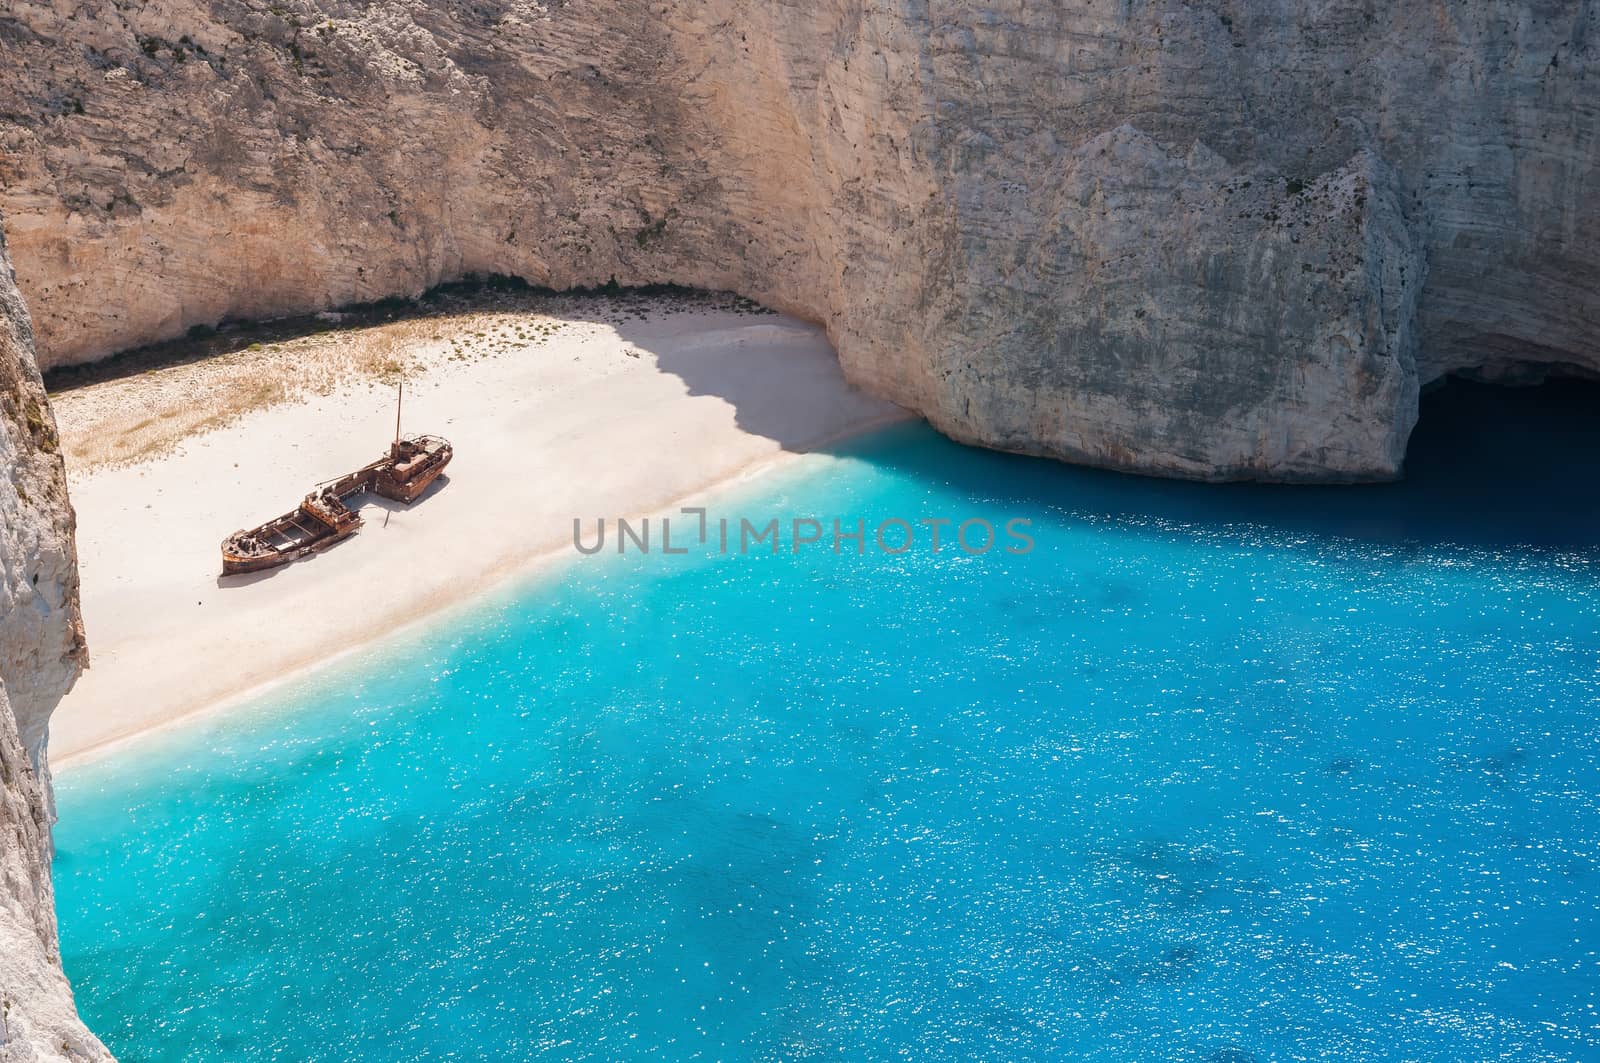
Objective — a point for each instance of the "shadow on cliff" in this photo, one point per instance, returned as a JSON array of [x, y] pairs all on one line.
[[1488, 467]]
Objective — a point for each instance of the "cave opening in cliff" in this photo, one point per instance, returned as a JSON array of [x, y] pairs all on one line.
[[1519, 460]]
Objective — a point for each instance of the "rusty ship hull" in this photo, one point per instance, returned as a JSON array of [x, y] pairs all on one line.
[[324, 517]]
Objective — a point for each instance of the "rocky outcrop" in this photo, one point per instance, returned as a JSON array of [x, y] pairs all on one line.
[[41, 653], [1223, 240], [1182, 262], [1210, 240]]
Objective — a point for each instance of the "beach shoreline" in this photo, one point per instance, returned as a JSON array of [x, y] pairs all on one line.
[[628, 417]]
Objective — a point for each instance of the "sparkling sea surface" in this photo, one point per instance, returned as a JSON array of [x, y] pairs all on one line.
[[1214, 773]]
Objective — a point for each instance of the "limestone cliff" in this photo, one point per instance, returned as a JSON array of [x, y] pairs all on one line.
[[1208, 238], [41, 653], [1222, 239]]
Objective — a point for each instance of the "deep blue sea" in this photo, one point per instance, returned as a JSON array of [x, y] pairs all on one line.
[[1214, 773]]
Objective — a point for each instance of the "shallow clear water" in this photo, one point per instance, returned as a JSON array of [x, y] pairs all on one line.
[[1213, 774]]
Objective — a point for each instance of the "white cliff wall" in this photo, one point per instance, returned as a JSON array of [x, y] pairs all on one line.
[[41, 653], [1221, 240], [1226, 240]]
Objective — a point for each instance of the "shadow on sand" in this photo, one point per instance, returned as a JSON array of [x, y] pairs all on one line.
[[770, 398]]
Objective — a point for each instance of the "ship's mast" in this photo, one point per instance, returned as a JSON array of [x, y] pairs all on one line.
[[399, 399]]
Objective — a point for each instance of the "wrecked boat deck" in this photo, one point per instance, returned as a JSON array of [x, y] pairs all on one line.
[[326, 516]]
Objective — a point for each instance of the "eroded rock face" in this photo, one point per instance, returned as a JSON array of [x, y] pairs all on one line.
[[1179, 264], [1224, 240], [41, 654]]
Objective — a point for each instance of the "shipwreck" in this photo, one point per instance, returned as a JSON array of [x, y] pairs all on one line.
[[326, 515]]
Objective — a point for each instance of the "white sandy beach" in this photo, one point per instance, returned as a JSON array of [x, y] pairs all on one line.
[[612, 415]]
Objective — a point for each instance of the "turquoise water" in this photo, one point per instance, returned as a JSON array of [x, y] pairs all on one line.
[[1212, 774]]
